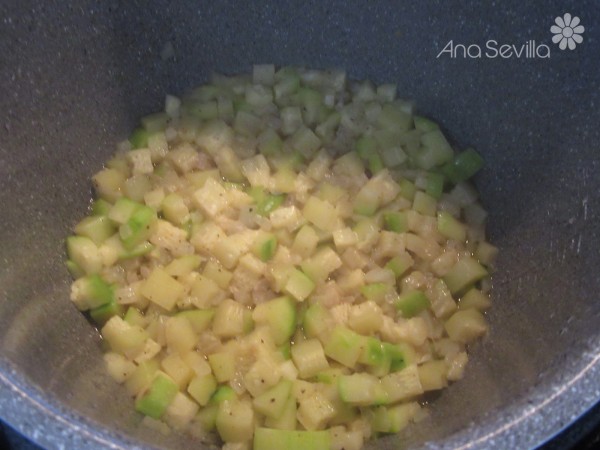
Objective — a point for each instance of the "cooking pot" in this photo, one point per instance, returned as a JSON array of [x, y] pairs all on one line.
[[75, 76]]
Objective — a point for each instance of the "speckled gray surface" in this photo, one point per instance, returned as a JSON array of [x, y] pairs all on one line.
[[74, 76]]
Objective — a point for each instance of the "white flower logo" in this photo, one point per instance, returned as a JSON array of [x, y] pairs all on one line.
[[567, 32]]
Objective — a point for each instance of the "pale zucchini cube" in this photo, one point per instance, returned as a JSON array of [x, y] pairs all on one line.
[[158, 146], [197, 363], [206, 235], [298, 285], [184, 157], [351, 281], [141, 160], [223, 365], [123, 338], [287, 419], [342, 439], [177, 369], [315, 411], [305, 242], [204, 291], [344, 237], [174, 209], [180, 411], [309, 358], [263, 374], [108, 183], [228, 251], [305, 141], [272, 402], [216, 272], [235, 420], [466, 325], [118, 367], [201, 388], [257, 171], [433, 375], [319, 165], [230, 319], [474, 299], [252, 264], [365, 318], [360, 389], [150, 350], [322, 214], [180, 335], [211, 198], [402, 385], [288, 217], [162, 289]]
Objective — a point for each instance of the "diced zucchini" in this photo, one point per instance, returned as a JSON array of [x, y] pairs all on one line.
[[432, 375], [287, 419], [109, 183], [100, 207], [435, 151], [395, 221], [393, 419], [299, 285], [365, 318], [137, 229], [265, 247], [317, 320], [223, 365], [174, 209], [229, 319], [361, 389], [271, 439], [344, 346], [315, 411], [179, 334], [155, 400], [475, 299], [101, 314], [305, 242], [272, 402], [183, 266], [400, 355], [174, 366], [84, 253], [322, 214], [412, 303], [424, 204], [465, 326], [279, 315], [400, 264], [375, 291], [235, 421], [200, 319], [374, 353], [466, 272], [464, 166], [97, 228], [309, 358], [221, 394], [91, 292], [207, 418], [451, 228], [201, 388], [162, 289], [402, 384], [265, 203]]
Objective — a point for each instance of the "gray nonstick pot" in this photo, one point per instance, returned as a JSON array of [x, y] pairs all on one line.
[[75, 76]]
